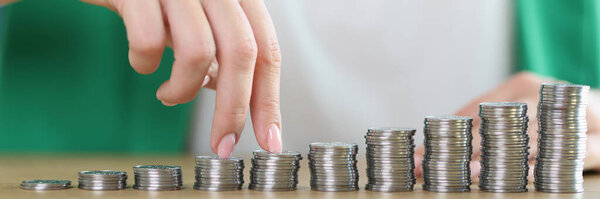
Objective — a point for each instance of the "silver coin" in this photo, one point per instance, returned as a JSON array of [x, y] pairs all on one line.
[[45, 184]]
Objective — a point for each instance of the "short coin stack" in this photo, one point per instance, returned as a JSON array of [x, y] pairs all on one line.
[[562, 138], [217, 174], [504, 147], [102, 180], [390, 159], [448, 149], [42, 185], [333, 166], [274, 171], [157, 177]]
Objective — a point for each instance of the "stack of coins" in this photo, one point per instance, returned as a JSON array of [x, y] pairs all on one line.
[[562, 138], [448, 152], [390, 159], [274, 171], [504, 147], [333, 166], [217, 174], [102, 180], [157, 177], [41, 185]]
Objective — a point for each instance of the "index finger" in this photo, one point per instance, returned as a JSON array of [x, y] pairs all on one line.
[[264, 104]]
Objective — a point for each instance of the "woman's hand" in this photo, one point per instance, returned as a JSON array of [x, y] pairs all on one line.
[[235, 38], [525, 87]]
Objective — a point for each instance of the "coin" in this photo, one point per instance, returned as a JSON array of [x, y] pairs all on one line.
[[157, 177], [562, 138], [504, 147], [219, 174], [102, 180], [274, 171], [447, 155], [333, 164], [43, 185], [390, 159]]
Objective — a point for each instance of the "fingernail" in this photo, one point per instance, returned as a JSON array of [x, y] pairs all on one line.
[[167, 103], [206, 80], [275, 145], [225, 148]]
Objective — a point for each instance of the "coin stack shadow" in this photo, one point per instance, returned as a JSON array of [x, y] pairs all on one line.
[[390, 159], [157, 177], [562, 138], [274, 171], [333, 166], [102, 180], [504, 147], [216, 174], [448, 149], [42, 185]]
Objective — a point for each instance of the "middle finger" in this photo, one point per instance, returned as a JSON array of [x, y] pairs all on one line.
[[236, 55]]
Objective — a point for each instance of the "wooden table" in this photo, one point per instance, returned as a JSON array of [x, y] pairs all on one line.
[[15, 168]]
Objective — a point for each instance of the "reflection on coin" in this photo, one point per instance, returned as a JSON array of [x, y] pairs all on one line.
[[42, 185]]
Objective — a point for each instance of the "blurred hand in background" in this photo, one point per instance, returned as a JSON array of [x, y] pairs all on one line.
[[525, 87]]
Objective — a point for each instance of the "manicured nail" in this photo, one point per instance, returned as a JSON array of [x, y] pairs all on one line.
[[167, 103], [206, 80], [275, 144], [225, 148]]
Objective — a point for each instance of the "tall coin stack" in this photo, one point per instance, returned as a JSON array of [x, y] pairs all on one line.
[[562, 138], [216, 174], [448, 149], [274, 171], [157, 177], [504, 147], [102, 180], [390, 159], [333, 166]]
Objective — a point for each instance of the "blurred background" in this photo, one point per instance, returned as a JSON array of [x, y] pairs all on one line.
[[66, 84], [350, 65], [347, 66]]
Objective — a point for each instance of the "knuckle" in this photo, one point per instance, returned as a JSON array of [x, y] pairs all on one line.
[[271, 56], [181, 97], [245, 51], [148, 46], [237, 114], [270, 105], [196, 54]]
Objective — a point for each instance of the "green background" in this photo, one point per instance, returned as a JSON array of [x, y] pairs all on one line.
[[66, 84]]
